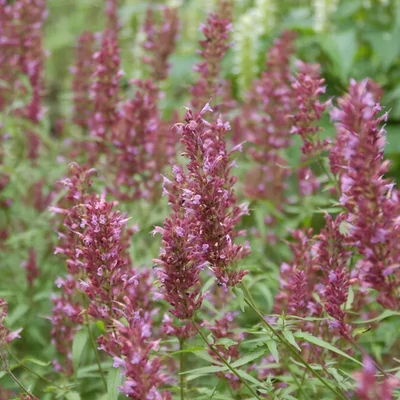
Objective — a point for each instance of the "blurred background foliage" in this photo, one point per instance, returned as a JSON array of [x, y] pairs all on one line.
[[349, 38]]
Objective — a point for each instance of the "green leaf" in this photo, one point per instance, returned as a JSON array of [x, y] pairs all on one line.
[[36, 361], [290, 338], [78, 346], [273, 348], [249, 378], [321, 343], [17, 313], [114, 379], [346, 46], [240, 296], [205, 370], [193, 349], [227, 342], [350, 299], [73, 396], [248, 358], [384, 315]]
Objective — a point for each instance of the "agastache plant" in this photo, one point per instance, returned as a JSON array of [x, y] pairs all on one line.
[[201, 229], [104, 89], [22, 54], [210, 198], [216, 31], [161, 34], [66, 315], [82, 72], [143, 145], [370, 387], [6, 336], [369, 198], [264, 122], [308, 86]]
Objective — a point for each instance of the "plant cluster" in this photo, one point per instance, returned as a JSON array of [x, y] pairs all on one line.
[[240, 247]]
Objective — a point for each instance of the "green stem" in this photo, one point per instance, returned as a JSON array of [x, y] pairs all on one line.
[[331, 180], [182, 366], [15, 379], [296, 381], [33, 372], [93, 343], [96, 354], [215, 351], [294, 353]]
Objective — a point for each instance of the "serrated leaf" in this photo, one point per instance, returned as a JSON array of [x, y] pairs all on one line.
[[226, 342], [114, 380], [248, 358], [288, 335], [78, 345], [273, 348], [321, 343]]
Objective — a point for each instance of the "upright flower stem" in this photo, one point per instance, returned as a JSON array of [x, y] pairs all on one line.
[[182, 360], [33, 372], [14, 378], [288, 345], [215, 351], [96, 354], [94, 347]]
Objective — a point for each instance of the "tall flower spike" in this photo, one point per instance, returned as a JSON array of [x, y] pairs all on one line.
[[142, 146], [131, 346], [308, 87], [104, 90], [332, 256], [112, 17], [298, 279], [368, 386], [370, 200], [82, 73], [21, 53], [265, 124], [180, 268], [209, 196], [161, 35], [6, 336], [213, 49], [32, 269], [102, 253], [66, 313]]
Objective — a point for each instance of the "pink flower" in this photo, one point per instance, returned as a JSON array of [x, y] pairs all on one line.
[[82, 72], [368, 385], [144, 145], [161, 35], [104, 90], [369, 199], [6, 336], [131, 347], [216, 31], [265, 124], [32, 269], [308, 87]]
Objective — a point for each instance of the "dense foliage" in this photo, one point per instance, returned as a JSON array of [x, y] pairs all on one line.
[[198, 200]]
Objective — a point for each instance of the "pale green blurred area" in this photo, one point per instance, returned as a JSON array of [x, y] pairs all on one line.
[[350, 38]]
